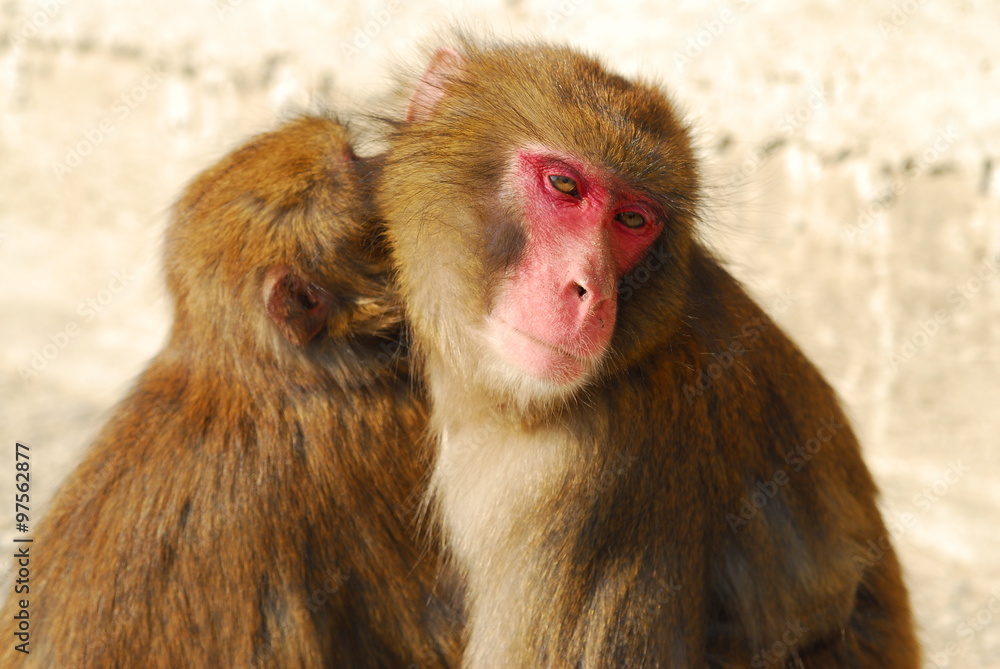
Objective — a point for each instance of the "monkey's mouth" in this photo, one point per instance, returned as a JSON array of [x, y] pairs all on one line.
[[539, 358]]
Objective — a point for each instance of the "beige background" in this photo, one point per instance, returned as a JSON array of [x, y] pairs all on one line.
[[853, 159]]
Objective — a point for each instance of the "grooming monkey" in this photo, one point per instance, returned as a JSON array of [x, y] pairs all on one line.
[[541, 212], [249, 502]]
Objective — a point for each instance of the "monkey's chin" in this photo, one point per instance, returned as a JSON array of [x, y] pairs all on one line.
[[548, 363]]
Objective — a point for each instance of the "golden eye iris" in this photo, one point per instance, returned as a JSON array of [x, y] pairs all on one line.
[[564, 185], [631, 219]]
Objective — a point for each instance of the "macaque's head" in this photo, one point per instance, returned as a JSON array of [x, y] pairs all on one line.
[[273, 247], [540, 210]]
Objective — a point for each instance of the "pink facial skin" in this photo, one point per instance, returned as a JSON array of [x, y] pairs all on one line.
[[557, 315]]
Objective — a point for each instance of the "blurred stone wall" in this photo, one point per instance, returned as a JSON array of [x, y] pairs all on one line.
[[852, 156]]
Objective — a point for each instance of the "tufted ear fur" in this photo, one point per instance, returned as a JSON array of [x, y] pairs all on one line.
[[445, 63]]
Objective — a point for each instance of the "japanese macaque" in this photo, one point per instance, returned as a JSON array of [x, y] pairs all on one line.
[[250, 502], [592, 481]]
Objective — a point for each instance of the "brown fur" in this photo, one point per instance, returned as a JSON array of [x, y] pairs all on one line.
[[595, 528], [249, 504]]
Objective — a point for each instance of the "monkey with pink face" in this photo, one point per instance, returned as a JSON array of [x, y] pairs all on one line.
[[583, 494]]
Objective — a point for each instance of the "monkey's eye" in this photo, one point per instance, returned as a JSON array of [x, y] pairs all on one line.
[[631, 219], [564, 185]]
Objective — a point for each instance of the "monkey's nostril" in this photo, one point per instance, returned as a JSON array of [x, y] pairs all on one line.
[[581, 291]]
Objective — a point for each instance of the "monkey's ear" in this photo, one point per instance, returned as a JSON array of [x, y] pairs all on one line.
[[445, 63], [299, 308]]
